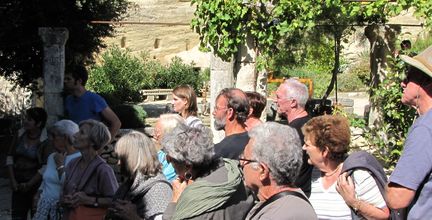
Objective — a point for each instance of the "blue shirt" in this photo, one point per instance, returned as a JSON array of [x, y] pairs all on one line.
[[413, 170], [167, 168], [87, 106], [51, 185]]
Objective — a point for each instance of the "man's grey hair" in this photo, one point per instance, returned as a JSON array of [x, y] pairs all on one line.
[[296, 90], [189, 145], [66, 128], [278, 146]]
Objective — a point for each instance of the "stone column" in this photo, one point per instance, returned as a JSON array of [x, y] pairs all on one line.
[[221, 76], [54, 40], [245, 68], [382, 44]]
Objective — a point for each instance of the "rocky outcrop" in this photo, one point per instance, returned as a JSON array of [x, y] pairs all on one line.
[[161, 41]]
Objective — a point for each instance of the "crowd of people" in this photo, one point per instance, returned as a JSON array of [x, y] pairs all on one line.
[[260, 170]]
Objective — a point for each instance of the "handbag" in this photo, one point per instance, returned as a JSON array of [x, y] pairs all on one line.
[[84, 212]]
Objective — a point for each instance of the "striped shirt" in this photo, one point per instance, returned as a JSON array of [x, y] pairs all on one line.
[[328, 204]]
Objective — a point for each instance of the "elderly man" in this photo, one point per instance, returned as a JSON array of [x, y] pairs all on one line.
[[230, 114], [270, 163], [291, 98], [411, 182]]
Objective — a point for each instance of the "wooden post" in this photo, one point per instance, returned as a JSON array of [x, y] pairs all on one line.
[[54, 40]]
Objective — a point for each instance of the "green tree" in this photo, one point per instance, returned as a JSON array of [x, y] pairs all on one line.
[[21, 47], [120, 75]]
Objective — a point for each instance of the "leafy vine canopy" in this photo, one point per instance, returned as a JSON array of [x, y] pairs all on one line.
[[225, 24]]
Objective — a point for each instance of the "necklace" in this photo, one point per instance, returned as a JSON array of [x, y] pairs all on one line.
[[333, 172]]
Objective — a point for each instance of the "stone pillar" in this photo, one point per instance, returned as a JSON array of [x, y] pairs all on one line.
[[54, 40], [382, 44], [221, 76], [245, 68]]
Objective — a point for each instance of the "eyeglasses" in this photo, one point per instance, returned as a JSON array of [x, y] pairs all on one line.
[[245, 162], [216, 108]]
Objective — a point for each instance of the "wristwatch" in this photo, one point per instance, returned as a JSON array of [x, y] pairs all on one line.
[[96, 203]]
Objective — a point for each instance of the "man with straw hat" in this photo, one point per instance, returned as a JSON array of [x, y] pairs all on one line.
[[411, 181]]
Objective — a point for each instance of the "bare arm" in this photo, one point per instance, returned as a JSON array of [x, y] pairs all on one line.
[[345, 187], [398, 196], [113, 121]]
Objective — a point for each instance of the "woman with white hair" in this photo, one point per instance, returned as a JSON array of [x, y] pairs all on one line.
[[61, 135], [146, 192], [165, 124], [207, 187]]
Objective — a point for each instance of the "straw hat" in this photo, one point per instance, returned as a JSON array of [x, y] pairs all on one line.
[[422, 61]]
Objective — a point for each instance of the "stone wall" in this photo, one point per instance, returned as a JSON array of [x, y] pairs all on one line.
[[162, 41]]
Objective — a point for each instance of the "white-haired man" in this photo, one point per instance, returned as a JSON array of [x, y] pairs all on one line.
[[291, 98], [411, 181], [270, 163]]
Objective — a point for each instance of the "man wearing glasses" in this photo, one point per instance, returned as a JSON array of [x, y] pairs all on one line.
[[411, 181], [271, 162], [230, 114]]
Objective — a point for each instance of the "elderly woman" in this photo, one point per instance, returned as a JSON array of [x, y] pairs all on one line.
[[90, 182], [326, 142], [207, 187], [26, 161], [146, 193], [165, 124], [185, 103], [61, 136]]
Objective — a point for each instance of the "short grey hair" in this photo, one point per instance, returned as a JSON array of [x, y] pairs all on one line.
[[189, 145], [98, 134], [170, 121], [278, 146], [66, 128], [296, 90]]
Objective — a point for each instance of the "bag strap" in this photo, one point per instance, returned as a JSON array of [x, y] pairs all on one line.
[[278, 196], [81, 187]]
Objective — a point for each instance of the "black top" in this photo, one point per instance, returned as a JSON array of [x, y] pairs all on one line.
[[232, 146], [305, 176]]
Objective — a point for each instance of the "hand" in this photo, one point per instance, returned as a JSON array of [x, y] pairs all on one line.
[[24, 187], [14, 185], [178, 187], [81, 198], [36, 198], [59, 159], [78, 198], [345, 187], [125, 209], [66, 201]]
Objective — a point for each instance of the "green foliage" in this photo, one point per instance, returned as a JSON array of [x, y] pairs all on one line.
[[131, 116], [178, 73], [21, 52], [387, 136], [120, 75], [225, 24]]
